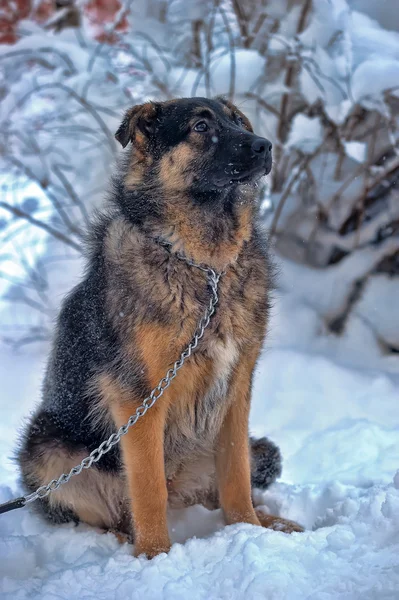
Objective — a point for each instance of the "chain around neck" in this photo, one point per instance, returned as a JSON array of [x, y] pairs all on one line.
[[203, 267]]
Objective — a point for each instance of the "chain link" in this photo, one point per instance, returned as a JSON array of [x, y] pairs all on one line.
[[149, 401]]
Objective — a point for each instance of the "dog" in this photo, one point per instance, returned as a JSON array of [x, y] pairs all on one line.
[[185, 193]]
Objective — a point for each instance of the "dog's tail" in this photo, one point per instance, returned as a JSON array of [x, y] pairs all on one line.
[[266, 462]]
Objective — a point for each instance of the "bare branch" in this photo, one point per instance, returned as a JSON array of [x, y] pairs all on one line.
[[232, 54], [265, 105], [242, 21], [79, 99], [71, 192], [30, 55], [288, 80], [296, 172], [17, 212], [52, 197]]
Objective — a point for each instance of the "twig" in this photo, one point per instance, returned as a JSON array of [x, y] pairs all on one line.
[[30, 55], [242, 22], [52, 197], [296, 172], [268, 107], [390, 168], [366, 187], [32, 304], [205, 71], [232, 54], [17, 212], [288, 80], [257, 27], [71, 192], [196, 27], [79, 99], [147, 65], [28, 339]]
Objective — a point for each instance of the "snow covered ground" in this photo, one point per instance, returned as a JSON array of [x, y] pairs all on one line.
[[338, 428]]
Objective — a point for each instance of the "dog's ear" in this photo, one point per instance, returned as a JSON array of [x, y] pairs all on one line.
[[140, 118]]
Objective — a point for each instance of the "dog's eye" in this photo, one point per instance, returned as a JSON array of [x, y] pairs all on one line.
[[239, 121], [201, 126]]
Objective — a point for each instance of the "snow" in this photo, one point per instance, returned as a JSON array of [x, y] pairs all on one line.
[[248, 67], [382, 73], [364, 52], [382, 291], [236, 562], [243, 73], [315, 296], [306, 133], [338, 429], [356, 150]]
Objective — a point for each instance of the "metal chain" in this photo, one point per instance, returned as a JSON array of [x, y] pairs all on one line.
[[156, 393]]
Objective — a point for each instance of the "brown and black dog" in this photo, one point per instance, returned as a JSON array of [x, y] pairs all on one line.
[[187, 186]]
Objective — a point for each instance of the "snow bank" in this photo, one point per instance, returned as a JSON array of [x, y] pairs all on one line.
[[364, 52]]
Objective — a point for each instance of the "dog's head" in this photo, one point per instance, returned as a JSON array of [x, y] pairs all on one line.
[[194, 145]]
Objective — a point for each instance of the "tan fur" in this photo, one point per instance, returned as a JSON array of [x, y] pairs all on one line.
[[174, 166], [143, 456], [194, 483], [277, 523], [100, 499], [186, 236], [224, 356], [140, 158], [232, 458], [100, 388], [135, 174]]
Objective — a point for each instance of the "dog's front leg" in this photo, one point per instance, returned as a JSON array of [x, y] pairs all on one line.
[[233, 460], [143, 457], [232, 457]]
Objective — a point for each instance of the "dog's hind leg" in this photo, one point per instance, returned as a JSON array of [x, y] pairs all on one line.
[[95, 497]]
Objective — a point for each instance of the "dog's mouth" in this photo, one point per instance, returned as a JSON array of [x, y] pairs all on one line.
[[235, 176]]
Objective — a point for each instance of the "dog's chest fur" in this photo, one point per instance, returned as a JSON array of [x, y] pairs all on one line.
[[194, 422], [197, 411], [161, 300]]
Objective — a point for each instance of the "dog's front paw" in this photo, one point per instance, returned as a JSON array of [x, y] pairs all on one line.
[[278, 523], [151, 549]]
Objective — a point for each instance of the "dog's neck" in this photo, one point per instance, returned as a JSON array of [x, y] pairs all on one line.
[[208, 227], [211, 234]]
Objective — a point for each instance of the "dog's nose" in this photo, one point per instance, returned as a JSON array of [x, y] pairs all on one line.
[[261, 146]]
